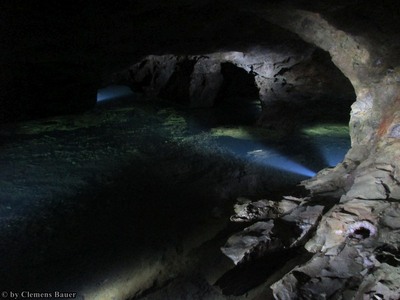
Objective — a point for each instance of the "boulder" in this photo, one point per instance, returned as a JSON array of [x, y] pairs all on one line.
[[291, 223]]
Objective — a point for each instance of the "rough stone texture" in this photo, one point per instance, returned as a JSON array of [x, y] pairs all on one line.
[[321, 278], [261, 209], [255, 239], [367, 67], [288, 225], [287, 78], [356, 255]]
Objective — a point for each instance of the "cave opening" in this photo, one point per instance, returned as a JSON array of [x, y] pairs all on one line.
[[307, 111], [238, 95]]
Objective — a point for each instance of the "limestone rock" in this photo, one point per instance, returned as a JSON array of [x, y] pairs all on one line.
[[205, 83], [336, 226], [292, 224], [261, 209], [384, 283], [150, 75], [321, 277], [305, 218], [278, 74], [255, 238]]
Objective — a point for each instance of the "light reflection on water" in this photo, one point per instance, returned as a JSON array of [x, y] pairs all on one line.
[[304, 157]]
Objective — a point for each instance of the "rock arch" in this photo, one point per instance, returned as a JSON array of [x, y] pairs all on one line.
[[374, 82], [279, 74]]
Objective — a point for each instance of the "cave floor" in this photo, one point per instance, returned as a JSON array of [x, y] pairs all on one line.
[[132, 197]]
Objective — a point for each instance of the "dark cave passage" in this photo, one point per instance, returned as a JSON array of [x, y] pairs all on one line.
[[238, 99], [123, 189]]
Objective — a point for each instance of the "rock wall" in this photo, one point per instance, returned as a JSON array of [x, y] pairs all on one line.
[[295, 83], [356, 251], [370, 68]]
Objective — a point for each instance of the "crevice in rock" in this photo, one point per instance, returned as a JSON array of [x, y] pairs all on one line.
[[388, 254], [238, 83], [176, 88], [247, 276]]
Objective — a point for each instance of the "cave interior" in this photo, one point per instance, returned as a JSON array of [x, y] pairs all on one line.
[[200, 150]]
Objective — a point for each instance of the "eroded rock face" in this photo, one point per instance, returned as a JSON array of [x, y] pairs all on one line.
[[280, 74], [352, 233], [350, 260], [370, 69], [263, 209]]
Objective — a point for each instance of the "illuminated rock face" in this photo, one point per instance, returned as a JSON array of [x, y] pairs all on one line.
[[375, 81], [351, 235], [199, 78], [294, 84]]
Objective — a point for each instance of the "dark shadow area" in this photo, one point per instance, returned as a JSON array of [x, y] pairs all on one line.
[[238, 83], [247, 276], [38, 90], [57, 235], [388, 254], [64, 244], [147, 202], [238, 101], [141, 211], [177, 87]]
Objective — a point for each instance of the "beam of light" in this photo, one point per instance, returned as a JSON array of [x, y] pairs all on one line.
[[263, 155], [278, 161], [283, 163], [113, 92], [334, 155]]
